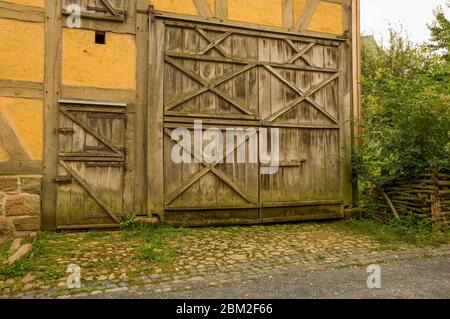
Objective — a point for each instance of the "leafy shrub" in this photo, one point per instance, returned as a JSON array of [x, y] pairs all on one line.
[[406, 112], [128, 222]]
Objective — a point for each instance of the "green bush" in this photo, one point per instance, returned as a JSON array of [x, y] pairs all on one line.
[[128, 222], [406, 112]]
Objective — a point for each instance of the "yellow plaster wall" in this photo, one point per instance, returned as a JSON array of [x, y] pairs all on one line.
[[175, 6], [257, 11], [34, 3], [85, 63], [21, 50], [328, 18], [26, 119], [180, 6]]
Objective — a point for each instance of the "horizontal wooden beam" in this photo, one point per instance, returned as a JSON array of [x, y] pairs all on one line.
[[111, 24], [303, 203], [98, 94], [21, 89], [74, 157], [183, 116], [96, 103], [334, 1], [21, 12], [223, 123], [208, 58], [301, 126], [247, 29], [211, 208], [88, 226], [21, 168], [218, 123]]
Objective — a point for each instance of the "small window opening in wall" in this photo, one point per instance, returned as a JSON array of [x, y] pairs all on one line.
[[100, 37]]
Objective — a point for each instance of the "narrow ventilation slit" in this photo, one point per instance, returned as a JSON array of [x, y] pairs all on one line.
[[100, 37]]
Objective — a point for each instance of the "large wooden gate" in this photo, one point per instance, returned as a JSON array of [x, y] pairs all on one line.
[[238, 78], [91, 165]]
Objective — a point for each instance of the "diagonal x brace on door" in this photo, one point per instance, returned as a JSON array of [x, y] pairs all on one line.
[[115, 12], [91, 193], [307, 97], [86, 127], [282, 79], [213, 45], [210, 168], [300, 53], [208, 86], [212, 42]]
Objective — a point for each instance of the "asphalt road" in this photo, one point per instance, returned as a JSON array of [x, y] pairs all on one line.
[[424, 278]]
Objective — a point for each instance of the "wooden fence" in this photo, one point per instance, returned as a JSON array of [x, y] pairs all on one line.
[[425, 197]]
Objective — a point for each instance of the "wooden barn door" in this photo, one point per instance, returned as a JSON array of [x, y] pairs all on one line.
[[237, 78], [91, 165]]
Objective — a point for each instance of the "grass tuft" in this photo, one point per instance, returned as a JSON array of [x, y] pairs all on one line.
[[410, 230]]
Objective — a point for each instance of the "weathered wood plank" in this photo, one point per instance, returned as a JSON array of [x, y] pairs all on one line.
[[21, 89], [21, 168], [222, 9], [93, 194], [52, 80], [155, 136], [288, 13], [140, 118], [203, 8]]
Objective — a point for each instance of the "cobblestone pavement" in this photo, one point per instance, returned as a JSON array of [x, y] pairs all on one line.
[[218, 256]]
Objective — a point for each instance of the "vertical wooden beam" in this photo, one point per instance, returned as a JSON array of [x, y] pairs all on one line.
[[345, 99], [52, 83], [356, 52], [304, 20], [222, 9], [288, 13], [356, 67], [203, 8], [140, 116], [155, 137]]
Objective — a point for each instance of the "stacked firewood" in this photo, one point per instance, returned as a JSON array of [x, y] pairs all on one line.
[[426, 197]]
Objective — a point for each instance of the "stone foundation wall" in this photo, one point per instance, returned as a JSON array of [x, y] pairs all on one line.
[[20, 206]]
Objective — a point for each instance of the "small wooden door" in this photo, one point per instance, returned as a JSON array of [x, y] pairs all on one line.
[[91, 165]]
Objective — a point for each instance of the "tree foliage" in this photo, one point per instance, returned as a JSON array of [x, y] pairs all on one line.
[[406, 109], [440, 32]]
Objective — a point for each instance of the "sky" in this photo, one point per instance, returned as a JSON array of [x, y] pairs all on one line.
[[376, 15]]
